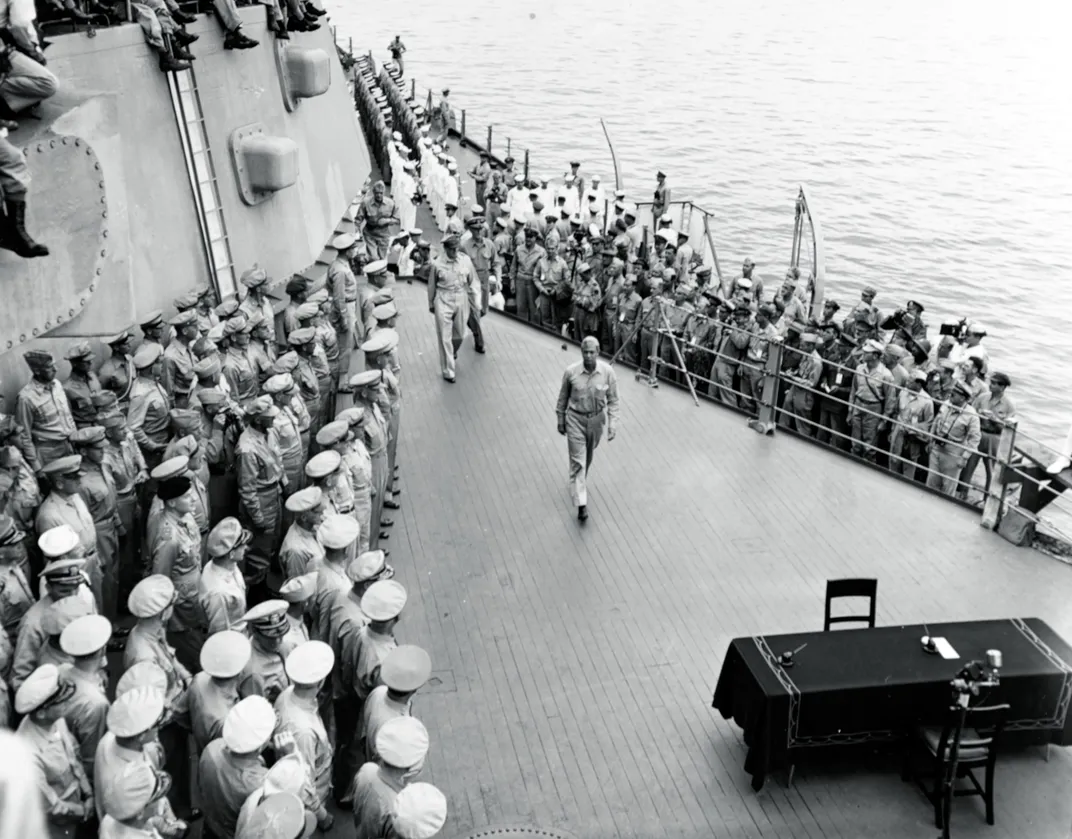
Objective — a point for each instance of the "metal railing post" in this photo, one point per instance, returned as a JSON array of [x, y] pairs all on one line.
[[508, 147], [995, 489], [463, 124], [526, 164], [413, 89], [767, 408], [489, 139]]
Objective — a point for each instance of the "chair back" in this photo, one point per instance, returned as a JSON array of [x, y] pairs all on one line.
[[851, 587], [978, 730]]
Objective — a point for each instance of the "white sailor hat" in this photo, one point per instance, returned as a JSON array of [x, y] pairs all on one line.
[[419, 811], [352, 416], [279, 816], [305, 500], [86, 635], [415, 233], [44, 686], [367, 566], [299, 589], [384, 312], [142, 675], [136, 711], [384, 600], [384, 295], [519, 178], [669, 235], [344, 241], [147, 355], [58, 541], [406, 668], [224, 654], [975, 328], [171, 468], [383, 340], [332, 433], [409, 166], [310, 662], [366, 378], [248, 726], [323, 464], [402, 742], [62, 613], [744, 282], [288, 774], [377, 266], [268, 618], [338, 532]]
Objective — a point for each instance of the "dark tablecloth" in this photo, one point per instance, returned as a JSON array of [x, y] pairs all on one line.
[[858, 686]]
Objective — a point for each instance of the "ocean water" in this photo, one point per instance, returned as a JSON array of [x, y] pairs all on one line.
[[934, 139]]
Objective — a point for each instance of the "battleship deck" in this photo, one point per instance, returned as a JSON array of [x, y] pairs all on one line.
[[575, 664]]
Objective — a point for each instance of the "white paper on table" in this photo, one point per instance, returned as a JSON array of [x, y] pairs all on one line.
[[944, 648]]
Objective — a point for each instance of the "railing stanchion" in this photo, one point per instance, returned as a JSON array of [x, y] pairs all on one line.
[[508, 147], [767, 408], [463, 125], [526, 164], [999, 475], [489, 139]]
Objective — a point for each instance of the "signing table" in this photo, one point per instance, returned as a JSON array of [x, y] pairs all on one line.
[[870, 685]]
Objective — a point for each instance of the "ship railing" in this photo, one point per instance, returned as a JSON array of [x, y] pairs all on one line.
[[1016, 483]]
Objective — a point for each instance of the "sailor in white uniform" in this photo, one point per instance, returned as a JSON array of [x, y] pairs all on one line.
[[407, 207]]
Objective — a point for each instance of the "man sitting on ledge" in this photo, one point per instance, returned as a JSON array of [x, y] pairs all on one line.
[[24, 80], [14, 182], [160, 18]]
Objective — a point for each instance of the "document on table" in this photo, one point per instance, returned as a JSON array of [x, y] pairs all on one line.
[[944, 648]]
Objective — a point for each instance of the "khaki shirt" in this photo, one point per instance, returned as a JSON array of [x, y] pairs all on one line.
[[589, 393]]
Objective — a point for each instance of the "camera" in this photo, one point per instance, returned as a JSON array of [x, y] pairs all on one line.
[[954, 329]]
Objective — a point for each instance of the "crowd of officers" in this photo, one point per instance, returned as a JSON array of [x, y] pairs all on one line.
[[196, 618], [566, 256]]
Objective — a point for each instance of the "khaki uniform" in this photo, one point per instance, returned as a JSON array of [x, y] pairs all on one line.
[[586, 401], [79, 391], [45, 422], [98, 490], [175, 552], [260, 471], [957, 434]]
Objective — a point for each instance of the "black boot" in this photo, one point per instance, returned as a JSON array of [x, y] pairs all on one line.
[[13, 235], [236, 40], [182, 17], [184, 38], [172, 65], [313, 12], [182, 54], [582, 512], [280, 30]]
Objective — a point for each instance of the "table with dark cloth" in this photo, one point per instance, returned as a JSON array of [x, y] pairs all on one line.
[[869, 685]]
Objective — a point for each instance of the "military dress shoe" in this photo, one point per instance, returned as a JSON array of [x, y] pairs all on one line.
[[182, 54], [582, 513], [480, 349], [184, 38], [387, 522], [392, 505], [237, 40], [450, 379], [384, 535], [183, 17]]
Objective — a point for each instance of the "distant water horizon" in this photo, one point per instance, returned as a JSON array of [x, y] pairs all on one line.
[[932, 139]]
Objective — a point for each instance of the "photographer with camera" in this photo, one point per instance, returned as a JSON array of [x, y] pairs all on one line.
[[907, 326]]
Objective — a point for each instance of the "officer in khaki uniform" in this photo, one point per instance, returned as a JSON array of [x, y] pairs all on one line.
[[957, 433], [261, 479]]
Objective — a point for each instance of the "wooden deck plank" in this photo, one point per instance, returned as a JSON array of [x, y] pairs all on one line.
[[584, 657]]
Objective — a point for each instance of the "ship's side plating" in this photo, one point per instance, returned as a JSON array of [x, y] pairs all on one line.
[[122, 187]]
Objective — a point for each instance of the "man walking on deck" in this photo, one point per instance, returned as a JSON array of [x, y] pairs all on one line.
[[453, 289], [587, 399]]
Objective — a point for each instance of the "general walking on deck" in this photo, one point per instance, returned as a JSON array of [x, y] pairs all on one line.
[[588, 399]]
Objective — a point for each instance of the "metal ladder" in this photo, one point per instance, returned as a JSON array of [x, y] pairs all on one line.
[[186, 102]]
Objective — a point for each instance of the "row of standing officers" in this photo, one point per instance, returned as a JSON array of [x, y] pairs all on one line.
[[211, 487]]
